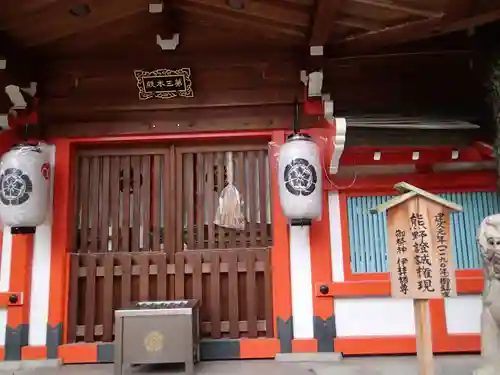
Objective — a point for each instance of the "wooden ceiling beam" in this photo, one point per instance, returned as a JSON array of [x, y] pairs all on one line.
[[411, 31], [265, 117], [323, 21], [259, 10], [359, 23], [457, 9], [18, 61], [66, 25], [106, 35], [14, 69], [17, 10], [127, 62], [270, 30], [391, 5]]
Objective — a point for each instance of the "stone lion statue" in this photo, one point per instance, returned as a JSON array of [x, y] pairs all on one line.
[[489, 245]]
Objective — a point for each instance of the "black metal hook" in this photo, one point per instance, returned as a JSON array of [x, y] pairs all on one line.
[[296, 116]]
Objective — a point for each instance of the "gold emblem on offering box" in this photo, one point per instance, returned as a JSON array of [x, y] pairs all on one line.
[[153, 342]]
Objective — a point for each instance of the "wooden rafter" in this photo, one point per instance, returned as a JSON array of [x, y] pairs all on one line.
[[260, 10], [323, 21], [392, 5], [412, 31]]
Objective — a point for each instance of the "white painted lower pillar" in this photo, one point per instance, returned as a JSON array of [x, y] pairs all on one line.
[[40, 285], [336, 237], [40, 281], [301, 282], [5, 278]]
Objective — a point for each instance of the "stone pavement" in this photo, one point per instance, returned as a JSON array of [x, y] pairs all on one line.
[[445, 365]]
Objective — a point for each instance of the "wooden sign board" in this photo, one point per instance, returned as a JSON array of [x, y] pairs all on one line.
[[420, 252], [164, 83]]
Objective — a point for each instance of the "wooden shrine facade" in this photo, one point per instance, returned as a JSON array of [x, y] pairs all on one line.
[[136, 181]]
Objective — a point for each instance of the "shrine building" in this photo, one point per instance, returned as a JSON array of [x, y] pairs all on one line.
[[141, 113]]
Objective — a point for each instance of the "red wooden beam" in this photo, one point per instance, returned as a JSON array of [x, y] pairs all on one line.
[[22, 118], [213, 136], [404, 155], [434, 182], [484, 149], [11, 299], [312, 107]]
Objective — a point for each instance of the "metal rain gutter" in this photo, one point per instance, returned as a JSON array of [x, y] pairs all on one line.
[[400, 122]]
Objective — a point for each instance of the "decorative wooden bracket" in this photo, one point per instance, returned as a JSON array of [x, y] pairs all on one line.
[[335, 149], [312, 78], [11, 299], [170, 20], [338, 143]]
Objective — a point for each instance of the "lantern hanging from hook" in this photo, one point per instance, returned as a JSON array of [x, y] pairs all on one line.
[[25, 132]]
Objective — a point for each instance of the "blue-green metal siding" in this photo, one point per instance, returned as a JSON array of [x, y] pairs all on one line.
[[368, 235]]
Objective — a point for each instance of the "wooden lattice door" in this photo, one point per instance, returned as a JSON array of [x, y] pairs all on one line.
[[121, 201], [201, 174], [129, 205]]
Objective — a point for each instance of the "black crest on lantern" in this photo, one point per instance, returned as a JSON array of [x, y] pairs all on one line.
[[15, 187], [300, 177]]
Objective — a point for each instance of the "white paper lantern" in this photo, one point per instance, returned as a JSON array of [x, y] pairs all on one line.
[[300, 178], [24, 186]]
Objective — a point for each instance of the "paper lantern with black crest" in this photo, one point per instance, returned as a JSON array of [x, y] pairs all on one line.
[[24, 187], [300, 179]]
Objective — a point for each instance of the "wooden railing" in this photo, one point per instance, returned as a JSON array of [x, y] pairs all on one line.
[[234, 287]]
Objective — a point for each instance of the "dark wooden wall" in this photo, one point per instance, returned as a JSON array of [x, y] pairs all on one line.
[[412, 84], [249, 91]]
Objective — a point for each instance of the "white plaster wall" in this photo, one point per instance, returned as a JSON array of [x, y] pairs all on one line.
[[335, 237], [381, 316], [5, 278], [374, 317], [463, 314], [301, 283], [387, 316], [40, 282]]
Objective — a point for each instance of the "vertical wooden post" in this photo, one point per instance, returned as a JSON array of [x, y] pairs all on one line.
[[419, 256], [424, 336]]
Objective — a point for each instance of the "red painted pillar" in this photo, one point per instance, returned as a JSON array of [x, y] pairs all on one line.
[[280, 257], [16, 335], [59, 288]]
